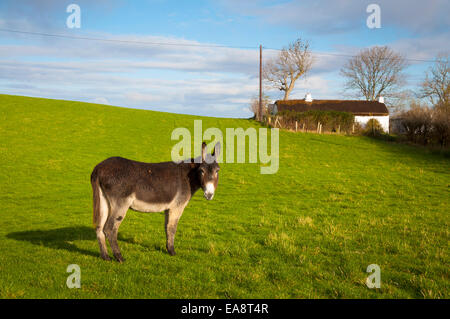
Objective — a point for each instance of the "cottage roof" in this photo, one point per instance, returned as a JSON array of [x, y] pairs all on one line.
[[357, 107]]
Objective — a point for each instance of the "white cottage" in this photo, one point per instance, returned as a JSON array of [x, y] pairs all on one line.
[[362, 110]]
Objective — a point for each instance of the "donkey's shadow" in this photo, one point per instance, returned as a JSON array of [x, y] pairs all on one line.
[[59, 238], [64, 238]]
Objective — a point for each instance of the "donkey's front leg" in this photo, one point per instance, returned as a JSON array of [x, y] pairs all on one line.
[[172, 218]]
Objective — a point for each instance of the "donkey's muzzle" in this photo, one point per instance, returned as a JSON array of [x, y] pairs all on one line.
[[209, 191], [209, 196]]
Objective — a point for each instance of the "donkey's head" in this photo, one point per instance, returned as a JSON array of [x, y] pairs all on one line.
[[209, 171]]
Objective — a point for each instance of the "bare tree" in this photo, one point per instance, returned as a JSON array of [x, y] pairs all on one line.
[[399, 101], [436, 86], [254, 105], [290, 64], [374, 72]]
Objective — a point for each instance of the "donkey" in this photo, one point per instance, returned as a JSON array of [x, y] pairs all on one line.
[[120, 184]]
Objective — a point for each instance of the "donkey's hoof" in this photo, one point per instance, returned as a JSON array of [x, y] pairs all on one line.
[[172, 252], [106, 257], [119, 258]]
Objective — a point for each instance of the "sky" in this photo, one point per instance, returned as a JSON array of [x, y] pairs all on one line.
[[201, 57]]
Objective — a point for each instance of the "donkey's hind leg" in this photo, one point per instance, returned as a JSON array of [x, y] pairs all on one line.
[[115, 218], [104, 212]]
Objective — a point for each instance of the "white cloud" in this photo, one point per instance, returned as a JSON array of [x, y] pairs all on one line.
[[425, 48], [100, 100], [332, 16]]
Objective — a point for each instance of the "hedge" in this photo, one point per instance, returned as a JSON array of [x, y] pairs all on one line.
[[332, 121]]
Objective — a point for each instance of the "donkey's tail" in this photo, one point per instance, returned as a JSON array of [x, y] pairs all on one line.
[[96, 198]]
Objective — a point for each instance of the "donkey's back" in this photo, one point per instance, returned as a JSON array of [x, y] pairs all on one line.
[[118, 170]]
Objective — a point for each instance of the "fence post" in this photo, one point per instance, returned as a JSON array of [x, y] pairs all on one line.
[[277, 120], [296, 126]]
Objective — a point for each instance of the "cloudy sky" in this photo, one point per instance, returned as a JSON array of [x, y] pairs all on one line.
[[200, 57]]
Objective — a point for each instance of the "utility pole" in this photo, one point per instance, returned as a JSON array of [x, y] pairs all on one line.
[[260, 84]]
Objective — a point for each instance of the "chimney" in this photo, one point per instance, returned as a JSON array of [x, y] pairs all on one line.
[[381, 99], [308, 97]]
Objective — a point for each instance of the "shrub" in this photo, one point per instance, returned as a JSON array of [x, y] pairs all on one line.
[[358, 129], [418, 124], [427, 125], [373, 128], [441, 125]]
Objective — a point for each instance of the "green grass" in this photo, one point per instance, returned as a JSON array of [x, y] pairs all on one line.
[[336, 205]]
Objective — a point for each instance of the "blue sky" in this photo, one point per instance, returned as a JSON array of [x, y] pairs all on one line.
[[213, 81]]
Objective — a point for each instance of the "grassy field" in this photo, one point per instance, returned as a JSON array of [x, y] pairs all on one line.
[[336, 205]]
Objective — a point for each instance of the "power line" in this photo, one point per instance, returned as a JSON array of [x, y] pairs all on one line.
[[66, 36], [126, 41]]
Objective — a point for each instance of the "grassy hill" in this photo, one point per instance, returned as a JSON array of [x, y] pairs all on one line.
[[336, 205]]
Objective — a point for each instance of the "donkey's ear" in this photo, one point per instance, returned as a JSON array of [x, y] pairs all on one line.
[[216, 151], [203, 151]]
